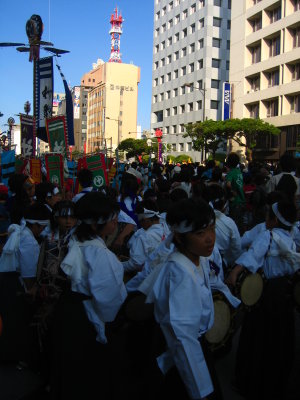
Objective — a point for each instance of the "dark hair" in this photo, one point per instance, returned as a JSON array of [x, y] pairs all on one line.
[[216, 175], [275, 197], [129, 185], [149, 205], [287, 162], [85, 177], [289, 212], [37, 211], [178, 194], [195, 211], [232, 160], [149, 193], [59, 210], [42, 189], [216, 194], [93, 205], [287, 185]]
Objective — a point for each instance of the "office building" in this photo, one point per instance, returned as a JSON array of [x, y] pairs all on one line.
[[190, 63], [265, 69]]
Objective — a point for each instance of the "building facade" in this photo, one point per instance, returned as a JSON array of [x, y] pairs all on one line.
[[190, 63], [265, 69], [111, 104]]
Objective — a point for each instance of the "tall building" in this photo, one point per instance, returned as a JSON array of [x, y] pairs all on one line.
[[190, 63], [112, 90], [265, 69]]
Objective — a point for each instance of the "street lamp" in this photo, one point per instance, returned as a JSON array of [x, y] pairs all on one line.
[[202, 90], [118, 121]]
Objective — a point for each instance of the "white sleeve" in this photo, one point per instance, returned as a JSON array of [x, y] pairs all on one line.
[[105, 278], [254, 258], [180, 328], [29, 251], [137, 256]]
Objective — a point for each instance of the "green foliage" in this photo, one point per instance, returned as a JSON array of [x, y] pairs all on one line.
[[172, 158], [208, 135], [183, 158]]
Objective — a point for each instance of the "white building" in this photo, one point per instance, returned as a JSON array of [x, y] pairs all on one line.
[[190, 63], [265, 69]]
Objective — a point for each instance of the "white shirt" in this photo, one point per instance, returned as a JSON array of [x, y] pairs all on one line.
[[274, 180], [96, 271], [82, 193], [183, 306]]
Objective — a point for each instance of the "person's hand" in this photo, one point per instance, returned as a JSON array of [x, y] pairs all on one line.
[[233, 275]]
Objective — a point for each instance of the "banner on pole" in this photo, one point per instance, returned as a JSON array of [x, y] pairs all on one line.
[[7, 165], [36, 170], [28, 135], [57, 135], [54, 167], [43, 92], [96, 163]]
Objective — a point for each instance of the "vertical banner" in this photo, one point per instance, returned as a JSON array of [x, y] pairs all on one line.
[[28, 135], [57, 135], [69, 109], [96, 163], [43, 92], [226, 101], [76, 102], [7, 165], [36, 170], [55, 167]]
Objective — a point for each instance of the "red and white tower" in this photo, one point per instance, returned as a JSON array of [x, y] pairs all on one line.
[[115, 32]]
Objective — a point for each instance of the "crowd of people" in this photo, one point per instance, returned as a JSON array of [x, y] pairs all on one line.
[[113, 291]]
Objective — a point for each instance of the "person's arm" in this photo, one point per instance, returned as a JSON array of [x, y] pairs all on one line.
[[129, 228]]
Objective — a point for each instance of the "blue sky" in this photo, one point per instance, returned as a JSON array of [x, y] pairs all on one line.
[[80, 26]]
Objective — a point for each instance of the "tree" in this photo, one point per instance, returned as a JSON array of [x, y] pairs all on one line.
[[136, 147], [210, 134]]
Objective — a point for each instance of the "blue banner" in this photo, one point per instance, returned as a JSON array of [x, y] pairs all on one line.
[[7, 165], [226, 101]]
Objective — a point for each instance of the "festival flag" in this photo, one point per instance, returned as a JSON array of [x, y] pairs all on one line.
[[69, 109], [57, 136], [7, 165], [43, 94], [36, 170], [28, 135], [96, 163], [54, 168]]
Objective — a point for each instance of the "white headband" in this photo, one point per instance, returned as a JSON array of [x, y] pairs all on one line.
[[148, 214], [279, 216], [100, 221], [43, 222], [182, 227]]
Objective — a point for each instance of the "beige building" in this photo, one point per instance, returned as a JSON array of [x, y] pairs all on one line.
[[112, 104], [265, 69]]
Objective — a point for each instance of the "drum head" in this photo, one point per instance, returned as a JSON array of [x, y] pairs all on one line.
[[222, 323], [252, 289]]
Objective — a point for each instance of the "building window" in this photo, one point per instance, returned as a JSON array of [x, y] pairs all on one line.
[[189, 146], [180, 146], [255, 54], [193, 9], [175, 92], [161, 97], [200, 84], [169, 59], [168, 94], [156, 49], [182, 128], [199, 105], [157, 16], [168, 76], [229, 4], [273, 78], [175, 73], [171, 6], [296, 37], [184, 14], [274, 46], [177, 19], [159, 116], [256, 24], [184, 33], [295, 72], [174, 110], [162, 62], [218, 3], [201, 23], [155, 82], [274, 15], [228, 45], [200, 64], [182, 109], [215, 83], [163, 28], [192, 48], [176, 37], [296, 4], [163, 11], [292, 135], [174, 129], [183, 52], [183, 89], [193, 28], [215, 63], [214, 104], [190, 106], [170, 23], [176, 55], [295, 103], [155, 98], [173, 146], [167, 130], [217, 22], [162, 80], [201, 43], [272, 108], [216, 42], [156, 32], [156, 65], [168, 112], [183, 71], [253, 110], [192, 67], [254, 83], [163, 45], [170, 41]]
